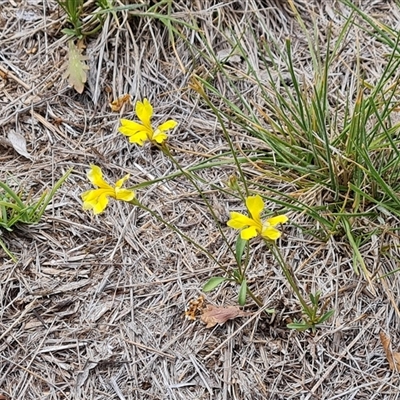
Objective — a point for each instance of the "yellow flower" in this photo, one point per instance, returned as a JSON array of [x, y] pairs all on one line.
[[97, 199], [140, 132], [253, 226]]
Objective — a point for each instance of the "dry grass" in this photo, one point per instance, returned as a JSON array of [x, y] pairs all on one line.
[[93, 308]]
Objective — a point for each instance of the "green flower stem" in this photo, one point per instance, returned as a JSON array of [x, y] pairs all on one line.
[[255, 298], [195, 244], [290, 278], [242, 272], [246, 261], [199, 88], [212, 162]]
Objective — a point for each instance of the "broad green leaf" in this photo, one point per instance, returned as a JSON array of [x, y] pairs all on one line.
[[243, 293], [326, 316], [299, 326], [213, 283], [240, 246]]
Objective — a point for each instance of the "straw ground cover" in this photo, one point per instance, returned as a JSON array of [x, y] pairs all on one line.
[[93, 307]]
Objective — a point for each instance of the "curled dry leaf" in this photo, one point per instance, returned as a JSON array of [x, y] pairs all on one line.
[[117, 104], [213, 315], [3, 75], [194, 308], [392, 357], [18, 142]]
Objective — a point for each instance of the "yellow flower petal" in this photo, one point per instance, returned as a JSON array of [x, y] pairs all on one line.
[[101, 204], [97, 199], [170, 124], [138, 138], [129, 128], [91, 196], [159, 136], [279, 219], [255, 205], [131, 124], [248, 233], [124, 194], [85, 196], [271, 233], [96, 177], [144, 111], [121, 181], [140, 132], [239, 221]]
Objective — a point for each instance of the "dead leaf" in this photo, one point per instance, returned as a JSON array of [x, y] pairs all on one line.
[[214, 315], [32, 50], [117, 104], [3, 75], [392, 357], [76, 67], [28, 100], [194, 308], [18, 142], [84, 374]]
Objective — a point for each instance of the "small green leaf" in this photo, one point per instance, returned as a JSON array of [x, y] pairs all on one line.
[[69, 32], [312, 298], [326, 316], [213, 283], [237, 275], [240, 246], [243, 293], [299, 326]]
